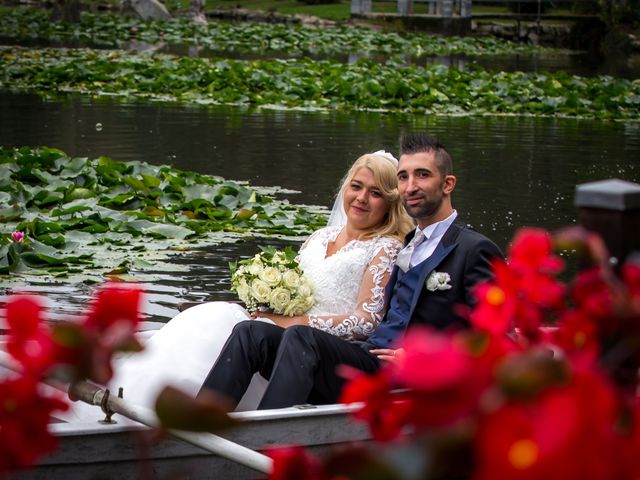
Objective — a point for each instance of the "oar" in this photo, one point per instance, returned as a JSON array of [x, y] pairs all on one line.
[[94, 395]]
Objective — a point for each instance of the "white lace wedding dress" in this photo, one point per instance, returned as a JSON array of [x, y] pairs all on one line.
[[349, 302]]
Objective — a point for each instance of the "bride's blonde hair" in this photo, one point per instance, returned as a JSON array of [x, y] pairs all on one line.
[[396, 223]]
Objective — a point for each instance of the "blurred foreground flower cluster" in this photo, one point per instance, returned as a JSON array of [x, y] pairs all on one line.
[[543, 386], [64, 350]]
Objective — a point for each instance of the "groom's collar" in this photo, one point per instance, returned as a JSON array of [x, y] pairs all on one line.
[[438, 228]]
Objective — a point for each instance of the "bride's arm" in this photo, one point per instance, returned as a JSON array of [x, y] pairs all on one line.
[[370, 304]]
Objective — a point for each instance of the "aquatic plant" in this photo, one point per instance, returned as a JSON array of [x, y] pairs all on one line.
[[83, 215], [308, 84], [222, 36]]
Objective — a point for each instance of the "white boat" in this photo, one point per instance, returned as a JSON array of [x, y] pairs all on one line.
[[124, 450], [117, 451]]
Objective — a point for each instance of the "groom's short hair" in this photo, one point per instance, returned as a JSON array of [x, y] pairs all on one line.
[[422, 142]]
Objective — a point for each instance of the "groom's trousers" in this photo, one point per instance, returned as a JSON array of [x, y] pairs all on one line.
[[300, 363]]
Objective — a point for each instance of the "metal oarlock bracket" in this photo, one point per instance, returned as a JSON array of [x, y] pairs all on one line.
[[104, 405]]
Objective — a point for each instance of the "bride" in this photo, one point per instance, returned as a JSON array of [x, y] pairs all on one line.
[[348, 262]]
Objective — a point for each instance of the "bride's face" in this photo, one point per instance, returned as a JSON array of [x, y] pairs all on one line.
[[364, 202]]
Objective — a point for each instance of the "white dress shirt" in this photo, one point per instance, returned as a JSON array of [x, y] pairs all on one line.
[[433, 234]]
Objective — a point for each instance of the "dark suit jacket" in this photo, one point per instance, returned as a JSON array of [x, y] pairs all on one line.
[[466, 256]]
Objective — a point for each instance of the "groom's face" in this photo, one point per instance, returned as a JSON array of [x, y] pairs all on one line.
[[421, 185]]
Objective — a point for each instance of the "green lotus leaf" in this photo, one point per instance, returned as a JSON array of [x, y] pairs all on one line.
[[121, 200], [11, 214], [52, 240], [168, 231], [245, 214], [150, 181], [79, 193], [200, 192], [135, 183], [112, 222], [45, 199]]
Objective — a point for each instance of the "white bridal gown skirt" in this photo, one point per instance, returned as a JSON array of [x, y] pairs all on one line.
[[180, 354]]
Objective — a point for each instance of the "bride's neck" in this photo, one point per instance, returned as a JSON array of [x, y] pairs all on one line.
[[349, 233]]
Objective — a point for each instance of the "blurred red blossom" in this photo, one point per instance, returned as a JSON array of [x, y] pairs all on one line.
[[68, 349], [459, 370], [544, 386], [294, 462], [24, 416], [568, 431], [525, 289], [29, 340]]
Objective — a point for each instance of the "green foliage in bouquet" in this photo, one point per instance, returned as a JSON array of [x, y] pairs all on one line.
[[273, 279]]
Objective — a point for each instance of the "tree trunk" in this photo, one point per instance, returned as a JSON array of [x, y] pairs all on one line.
[[65, 11], [196, 12], [147, 9]]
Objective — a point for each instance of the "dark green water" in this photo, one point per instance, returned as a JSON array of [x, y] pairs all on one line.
[[512, 171]]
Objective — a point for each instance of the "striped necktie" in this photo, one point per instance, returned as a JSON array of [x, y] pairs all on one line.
[[404, 256]]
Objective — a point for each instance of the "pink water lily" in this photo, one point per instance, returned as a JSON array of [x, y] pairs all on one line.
[[17, 236]]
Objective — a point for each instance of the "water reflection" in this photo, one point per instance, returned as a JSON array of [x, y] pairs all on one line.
[[512, 171]]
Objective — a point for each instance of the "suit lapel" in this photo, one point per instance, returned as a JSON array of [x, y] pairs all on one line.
[[394, 273], [429, 265], [444, 248]]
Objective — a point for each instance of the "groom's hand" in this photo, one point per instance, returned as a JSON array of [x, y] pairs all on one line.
[[388, 354]]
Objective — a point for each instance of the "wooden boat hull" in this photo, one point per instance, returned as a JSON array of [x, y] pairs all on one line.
[[124, 451]]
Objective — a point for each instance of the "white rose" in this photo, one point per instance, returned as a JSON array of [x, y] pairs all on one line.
[[280, 299], [255, 267], [295, 307], [308, 303], [243, 290], [305, 289], [260, 291], [291, 279], [271, 276], [299, 305]]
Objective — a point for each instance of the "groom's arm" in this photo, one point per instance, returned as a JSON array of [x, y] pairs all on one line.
[[479, 266]]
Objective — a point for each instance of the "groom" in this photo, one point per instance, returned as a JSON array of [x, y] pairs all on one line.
[[436, 271]]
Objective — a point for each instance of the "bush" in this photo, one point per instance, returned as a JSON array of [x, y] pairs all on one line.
[[530, 6], [318, 2]]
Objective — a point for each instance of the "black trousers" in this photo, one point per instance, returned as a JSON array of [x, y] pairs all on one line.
[[300, 363]]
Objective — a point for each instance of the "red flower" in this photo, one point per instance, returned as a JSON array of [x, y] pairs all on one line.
[[116, 302], [577, 336], [109, 326], [438, 381], [28, 340], [524, 290], [496, 309], [385, 412], [630, 446], [631, 276], [566, 432], [592, 294], [24, 419], [293, 463], [532, 249]]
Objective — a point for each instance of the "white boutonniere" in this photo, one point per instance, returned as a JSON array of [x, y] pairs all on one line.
[[438, 281]]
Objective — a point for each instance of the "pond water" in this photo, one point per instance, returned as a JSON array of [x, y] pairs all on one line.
[[512, 171]]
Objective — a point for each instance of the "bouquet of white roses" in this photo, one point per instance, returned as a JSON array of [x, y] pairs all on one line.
[[272, 278]]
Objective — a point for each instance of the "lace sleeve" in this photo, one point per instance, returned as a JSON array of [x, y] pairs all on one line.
[[371, 300]]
